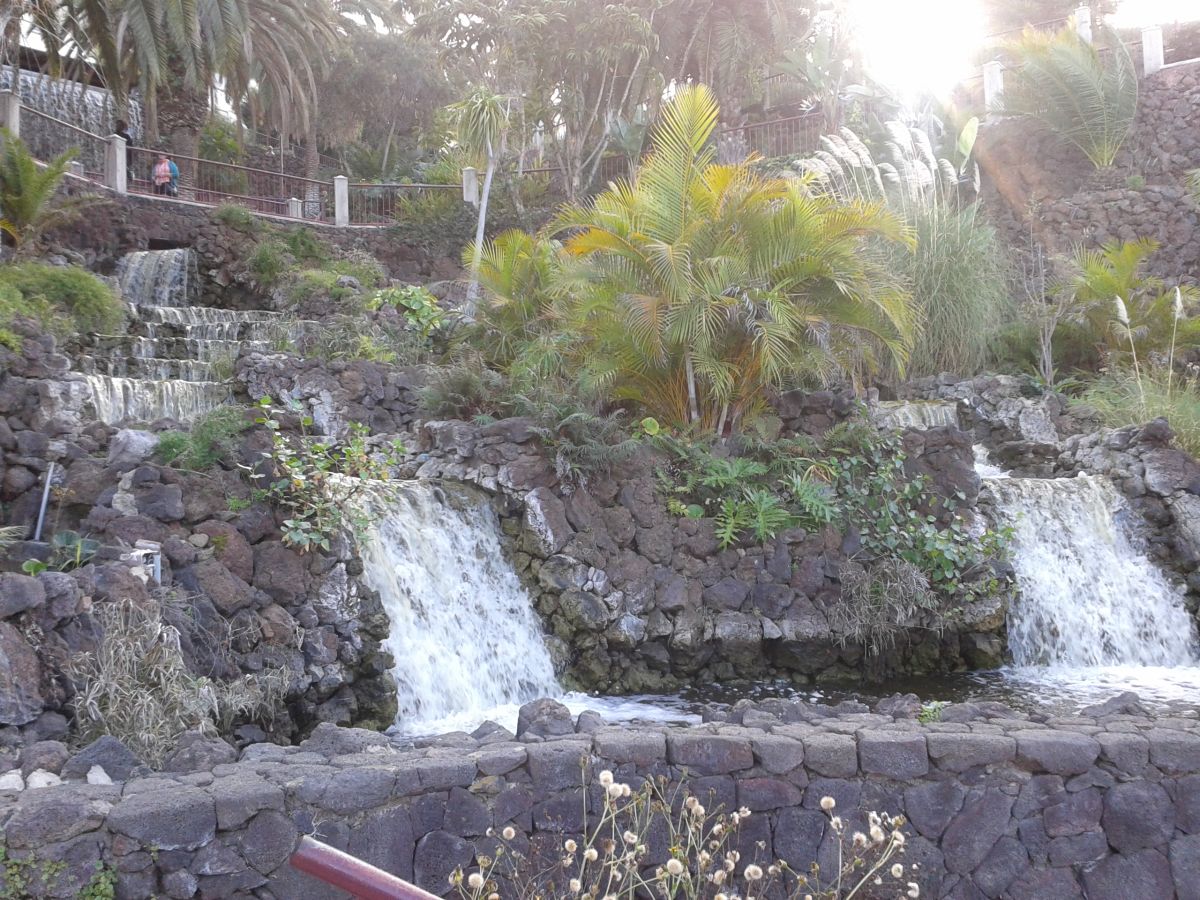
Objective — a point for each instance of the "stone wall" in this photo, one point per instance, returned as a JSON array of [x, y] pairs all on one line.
[[999, 804], [637, 599], [123, 224], [1051, 188]]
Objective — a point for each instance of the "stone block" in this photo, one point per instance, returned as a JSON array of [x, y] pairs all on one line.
[[1174, 752], [1129, 753], [1056, 752], [1076, 814], [832, 755], [630, 745], [930, 807], [709, 754], [1138, 814], [558, 765], [182, 818], [1185, 866], [358, 789], [1145, 875], [759, 794], [899, 755], [777, 753], [972, 833], [957, 752]]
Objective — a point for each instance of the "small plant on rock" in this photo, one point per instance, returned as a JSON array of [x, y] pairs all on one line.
[[300, 473], [419, 307]]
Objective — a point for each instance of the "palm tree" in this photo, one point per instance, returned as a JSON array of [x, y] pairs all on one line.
[[1085, 98], [696, 286], [28, 205], [482, 122]]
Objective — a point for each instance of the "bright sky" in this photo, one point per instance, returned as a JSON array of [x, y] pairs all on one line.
[[917, 46], [928, 46]]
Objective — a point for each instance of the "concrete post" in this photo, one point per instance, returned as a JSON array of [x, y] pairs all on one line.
[[114, 164], [993, 85], [1153, 57], [295, 208], [1083, 22], [75, 167], [10, 112], [341, 200], [470, 178]]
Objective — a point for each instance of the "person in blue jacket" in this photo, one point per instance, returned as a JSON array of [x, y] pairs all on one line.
[[173, 189]]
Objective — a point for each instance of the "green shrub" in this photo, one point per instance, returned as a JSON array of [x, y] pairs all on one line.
[[29, 201], [210, 440], [361, 266], [305, 285], [268, 262], [420, 308], [960, 279], [238, 218], [1121, 399], [305, 245], [65, 300]]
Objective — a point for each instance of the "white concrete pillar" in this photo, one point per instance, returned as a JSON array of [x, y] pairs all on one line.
[[1083, 22], [470, 178], [10, 112], [75, 167], [993, 85], [1153, 57], [341, 200], [114, 164], [295, 208]]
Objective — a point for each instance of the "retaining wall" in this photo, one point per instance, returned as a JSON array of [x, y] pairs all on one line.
[[999, 804]]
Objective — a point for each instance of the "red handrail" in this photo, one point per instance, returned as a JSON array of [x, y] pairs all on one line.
[[351, 874]]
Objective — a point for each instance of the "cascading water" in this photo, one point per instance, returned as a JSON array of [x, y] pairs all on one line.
[[914, 413], [464, 633], [1094, 615], [158, 277]]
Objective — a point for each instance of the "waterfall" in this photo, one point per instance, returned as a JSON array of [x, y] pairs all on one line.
[[915, 413], [464, 633], [158, 277], [1088, 596], [115, 399]]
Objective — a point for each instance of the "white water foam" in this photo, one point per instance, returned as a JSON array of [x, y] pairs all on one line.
[[1089, 599]]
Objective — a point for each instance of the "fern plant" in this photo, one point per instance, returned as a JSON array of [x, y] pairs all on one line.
[[28, 205], [1084, 97]]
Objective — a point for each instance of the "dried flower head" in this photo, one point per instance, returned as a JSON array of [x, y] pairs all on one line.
[[877, 834], [752, 872], [898, 837], [616, 791], [575, 885], [1121, 313], [1177, 306], [508, 833], [591, 854], [475, 881], [630, 838], [859, 839], [914, 889], [570, 846], [606, 778], [674, 867], [828, 803], [897, 870]]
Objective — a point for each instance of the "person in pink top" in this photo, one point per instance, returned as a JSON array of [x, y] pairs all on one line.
[[162, 175]]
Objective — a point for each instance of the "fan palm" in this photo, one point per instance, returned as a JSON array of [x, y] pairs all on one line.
[[695, 286], [1085, 98]]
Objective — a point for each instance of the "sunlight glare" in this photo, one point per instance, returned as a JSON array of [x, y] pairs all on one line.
[[914, 47], [1141, 13]]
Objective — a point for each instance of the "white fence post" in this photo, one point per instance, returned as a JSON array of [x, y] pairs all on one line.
[[993, 85], [75, 167], [10, 112], [341, 200], [295, 208], [1083, 22], [1153, 57], [115, 175], [470, 178]]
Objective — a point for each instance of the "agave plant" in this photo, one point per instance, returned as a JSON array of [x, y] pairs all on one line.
[[694, 286], [1084, 97]]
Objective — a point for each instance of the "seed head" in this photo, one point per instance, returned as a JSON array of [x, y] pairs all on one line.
[[828, 803], [475, 881], [753, 872]]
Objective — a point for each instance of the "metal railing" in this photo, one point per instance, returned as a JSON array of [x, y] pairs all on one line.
[[381, 204], [47, 137], [213, 183], [344, 871], [788, 136]]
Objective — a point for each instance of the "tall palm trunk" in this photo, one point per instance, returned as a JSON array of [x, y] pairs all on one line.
[[473, 286], [312, 171], [182, 111]]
